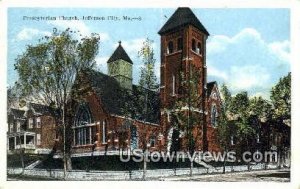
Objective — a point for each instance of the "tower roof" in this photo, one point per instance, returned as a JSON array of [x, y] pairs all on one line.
[[119, 54], [183, 16]]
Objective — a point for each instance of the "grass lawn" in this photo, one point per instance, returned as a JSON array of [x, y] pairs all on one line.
[[103, 163], [111, 163], [14, 160]]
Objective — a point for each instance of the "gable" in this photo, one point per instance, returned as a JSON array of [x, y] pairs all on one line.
[[115, 99], [213, 91]]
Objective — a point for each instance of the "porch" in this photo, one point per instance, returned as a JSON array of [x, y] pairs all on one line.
[[21, 140]]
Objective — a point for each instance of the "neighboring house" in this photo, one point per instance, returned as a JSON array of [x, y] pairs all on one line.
[[16, 131], [32, 130]]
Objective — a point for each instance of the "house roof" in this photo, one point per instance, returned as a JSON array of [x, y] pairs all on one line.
[[120, 101], [41, 109], [183, 16], [118, 54], [210, 87], [17, 113]]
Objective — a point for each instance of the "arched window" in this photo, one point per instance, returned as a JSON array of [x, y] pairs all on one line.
[[179, 44], [82, 132], [170, 47], [214, 116], [193, 44], [83, 116], [198, 49]]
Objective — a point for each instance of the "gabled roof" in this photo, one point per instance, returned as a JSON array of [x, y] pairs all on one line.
[[210, 87], [41, 109], [120, 101], [183, 16], [18, 114], [118, 54]]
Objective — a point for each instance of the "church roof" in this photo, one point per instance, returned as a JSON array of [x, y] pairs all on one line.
[[183, 16], [120, 101], [118, 54]]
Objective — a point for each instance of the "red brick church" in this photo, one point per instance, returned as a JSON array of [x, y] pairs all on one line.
[[110, 111]]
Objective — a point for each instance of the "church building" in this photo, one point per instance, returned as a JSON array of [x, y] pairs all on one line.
[[109, 114], [184, 87]]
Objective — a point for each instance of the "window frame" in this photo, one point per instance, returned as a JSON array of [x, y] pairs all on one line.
[[104, 132], [152, 140], [199, 48], [38, 122], [30, 123], [18, 126], [173, 85], [214, 115], [38, 139], [11, 127], [179, 44], [193, 45], [170, 47]]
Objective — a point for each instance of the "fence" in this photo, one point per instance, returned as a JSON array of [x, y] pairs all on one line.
[[157, 174]]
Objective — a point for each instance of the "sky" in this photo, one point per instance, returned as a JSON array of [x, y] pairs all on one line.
[[248, 49]]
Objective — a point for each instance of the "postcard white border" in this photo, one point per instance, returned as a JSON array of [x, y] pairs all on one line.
[[294, 6]]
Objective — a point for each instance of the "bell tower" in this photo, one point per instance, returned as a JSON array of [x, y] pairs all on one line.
[[183, 46], [120, 67]]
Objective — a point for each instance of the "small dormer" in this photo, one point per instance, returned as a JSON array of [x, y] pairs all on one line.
[[120, 67]]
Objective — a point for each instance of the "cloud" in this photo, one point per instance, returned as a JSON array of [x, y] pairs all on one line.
[[104, 36], [281, 49], [30, 33], [101, 63], [248, 77], [132, 47], [246, 61], [212, 71], [264, 94], [218, 44]]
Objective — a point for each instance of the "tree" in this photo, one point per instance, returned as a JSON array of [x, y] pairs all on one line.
[[147, 84], [47, 71], [186, 109], [12, 97], [240, 104], [281, 100], [224, 130], [244, 130], [260, 115]]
